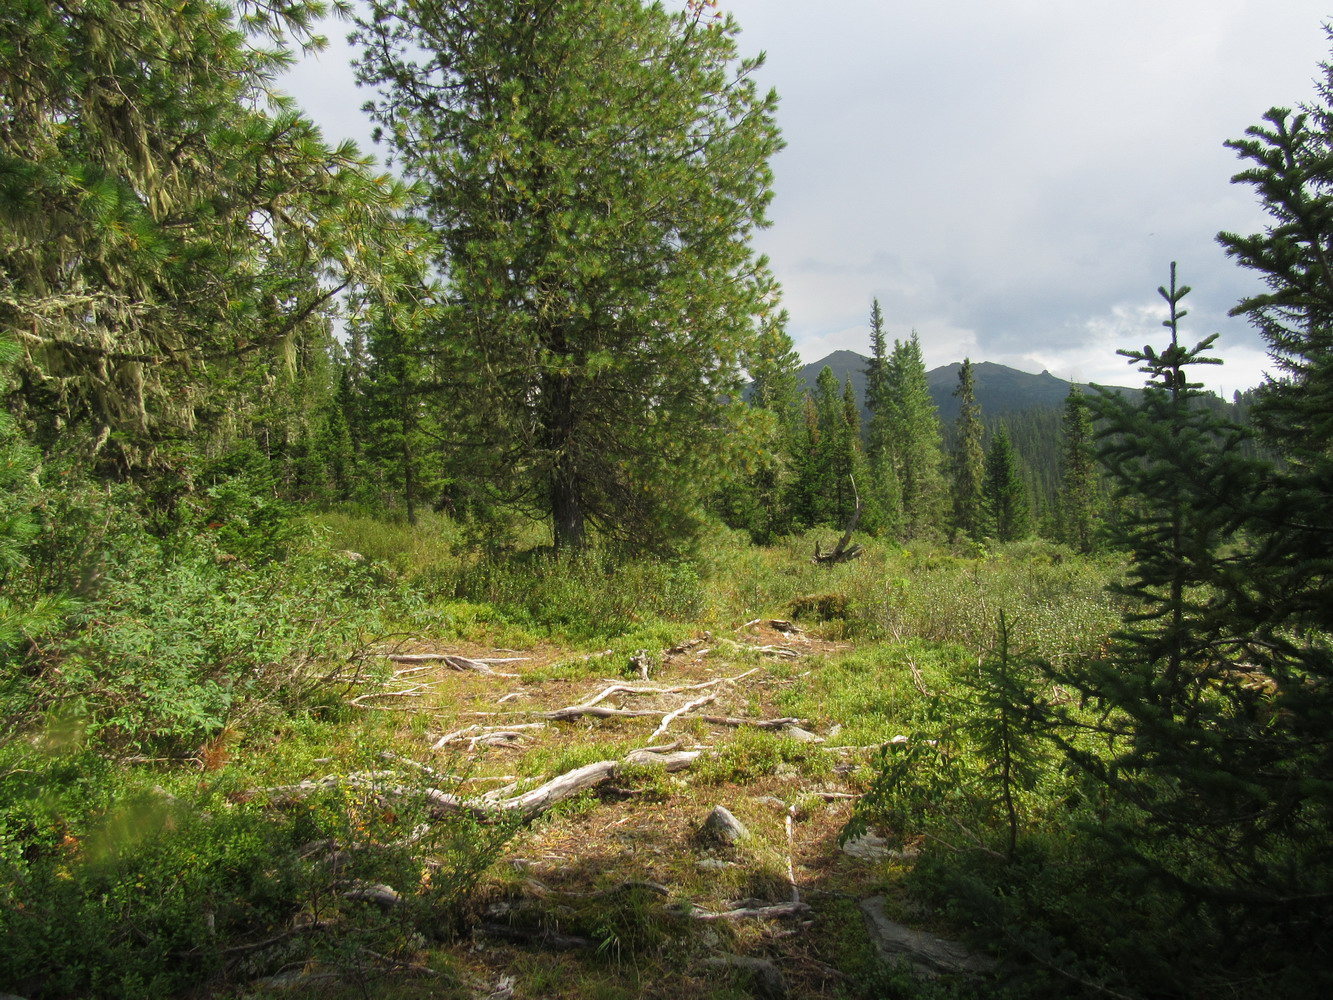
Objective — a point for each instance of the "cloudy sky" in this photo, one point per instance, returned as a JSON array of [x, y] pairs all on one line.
[[1011, 178]]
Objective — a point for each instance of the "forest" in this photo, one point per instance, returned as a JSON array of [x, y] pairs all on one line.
[[435, 578]]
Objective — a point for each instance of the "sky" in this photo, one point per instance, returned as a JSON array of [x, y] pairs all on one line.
[[1010, 178]]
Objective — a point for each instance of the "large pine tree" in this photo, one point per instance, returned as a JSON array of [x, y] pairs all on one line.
[[595, 170]]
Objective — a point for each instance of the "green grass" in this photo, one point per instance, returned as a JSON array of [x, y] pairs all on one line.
[[914, 622]]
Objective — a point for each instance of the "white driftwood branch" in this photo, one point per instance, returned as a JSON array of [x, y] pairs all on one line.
[[671, 717], [728, 720], [527, 804], [777, 910], [485, 734], [456, 662]]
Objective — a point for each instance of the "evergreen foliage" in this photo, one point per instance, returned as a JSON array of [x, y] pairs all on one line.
[[882, 487], [1007, 514], [1216, 783], [1077, 504], [165, 245], [594, 171], [969, 458], [759, 501], [913, 441]]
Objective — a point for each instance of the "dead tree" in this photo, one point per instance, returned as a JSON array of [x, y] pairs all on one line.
[[843, 552]]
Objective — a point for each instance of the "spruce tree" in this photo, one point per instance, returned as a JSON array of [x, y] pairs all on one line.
[[913, 441], [878, 402], [882, 488], [1077, 503], [1193, 752], [1007, 515], [1281, 599], [969, 458]]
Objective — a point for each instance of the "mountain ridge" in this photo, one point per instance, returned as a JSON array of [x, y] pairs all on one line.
[[1000, 389]]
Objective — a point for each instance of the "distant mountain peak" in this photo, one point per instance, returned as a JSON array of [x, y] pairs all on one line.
[[1000, 389]]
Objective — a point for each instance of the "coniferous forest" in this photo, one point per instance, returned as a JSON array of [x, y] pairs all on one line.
[[437, 579]]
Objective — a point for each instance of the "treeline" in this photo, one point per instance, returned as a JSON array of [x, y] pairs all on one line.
[[551, 315], [525, 326]]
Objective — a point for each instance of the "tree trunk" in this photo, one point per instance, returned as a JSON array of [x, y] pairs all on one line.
[[559, 418], [566, 511]]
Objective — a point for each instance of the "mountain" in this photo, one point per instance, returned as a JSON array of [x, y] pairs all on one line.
[[1000, 390]]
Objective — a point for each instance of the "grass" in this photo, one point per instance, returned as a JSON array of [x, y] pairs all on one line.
[[886, 641]]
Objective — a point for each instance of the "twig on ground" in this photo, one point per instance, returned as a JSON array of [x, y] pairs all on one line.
[[774, 912], [671, 717]]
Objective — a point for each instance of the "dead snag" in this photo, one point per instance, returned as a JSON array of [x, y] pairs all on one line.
[[842, 553]]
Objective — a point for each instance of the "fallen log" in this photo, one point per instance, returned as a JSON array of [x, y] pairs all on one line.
[[490, 805], [774, 912]]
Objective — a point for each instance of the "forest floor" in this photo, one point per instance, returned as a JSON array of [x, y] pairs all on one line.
[[617, 890]]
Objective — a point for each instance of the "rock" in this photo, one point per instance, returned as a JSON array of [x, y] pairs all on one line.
[[867, 847], [929, 956], [714, 864], [351, 556], [765, 978], [722, 827], [802, 735], [770, 800]]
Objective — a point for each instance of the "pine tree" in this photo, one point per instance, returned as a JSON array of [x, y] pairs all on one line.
[[1077, 504], [913, 441], [1192, 753], [758, 499], [878, 401], [1005, 506], [1279, 599], [834, 447], [882, 490], [164, 243], [969, 458], [594, 170]]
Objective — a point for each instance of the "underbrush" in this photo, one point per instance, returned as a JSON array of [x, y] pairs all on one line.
[[147, 847], [136, 884]]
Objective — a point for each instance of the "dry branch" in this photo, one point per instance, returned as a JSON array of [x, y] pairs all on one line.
[[784, 651], [485, 735], [592, 705], [774, 912], [671, 717], [456, 662], [412, 692], [727, 720], [492, 804]]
